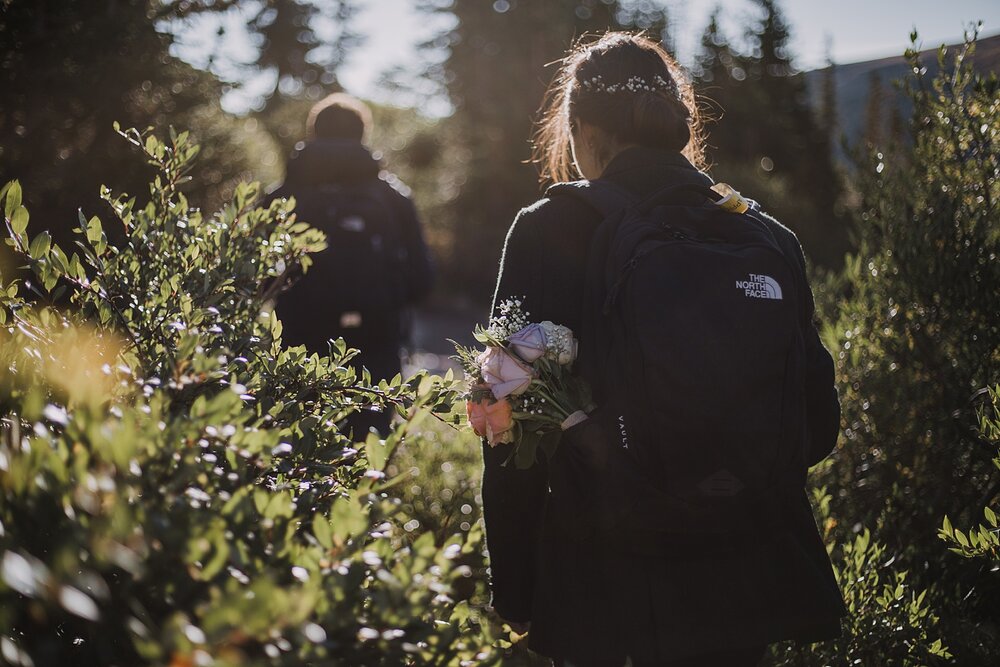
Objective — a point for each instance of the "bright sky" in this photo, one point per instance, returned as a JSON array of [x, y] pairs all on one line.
[[855, 30]]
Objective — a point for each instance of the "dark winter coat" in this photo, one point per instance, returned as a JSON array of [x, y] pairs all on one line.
[[597, 597], [305, 310]]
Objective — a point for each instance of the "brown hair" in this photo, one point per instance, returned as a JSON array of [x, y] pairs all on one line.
[[339, 116], [628, 86]]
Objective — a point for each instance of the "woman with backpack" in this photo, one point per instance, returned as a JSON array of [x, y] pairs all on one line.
[[672, 527]]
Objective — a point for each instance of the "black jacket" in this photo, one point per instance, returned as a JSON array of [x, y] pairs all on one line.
[[587, 598], [316, 176]]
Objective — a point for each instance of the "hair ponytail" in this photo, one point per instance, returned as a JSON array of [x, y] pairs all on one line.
[[629, 87]]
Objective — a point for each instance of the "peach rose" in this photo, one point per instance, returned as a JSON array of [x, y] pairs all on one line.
[[491, 420]]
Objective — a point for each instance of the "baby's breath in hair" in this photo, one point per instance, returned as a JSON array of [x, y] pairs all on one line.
[[633, 84]]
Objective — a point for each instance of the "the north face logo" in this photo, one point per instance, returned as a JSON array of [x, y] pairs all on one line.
[[760, 287]]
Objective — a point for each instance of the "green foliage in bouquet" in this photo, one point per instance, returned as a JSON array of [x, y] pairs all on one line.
[[174, 488]]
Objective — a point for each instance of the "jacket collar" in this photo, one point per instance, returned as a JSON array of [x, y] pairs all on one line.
[[643, 158]]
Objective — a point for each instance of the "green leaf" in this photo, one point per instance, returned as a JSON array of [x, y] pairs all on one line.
[[40, 245], [13, 201], [990, 516], [348, 519], [94, 230], [280, 505], [59, 259], [19, 221], [526, 449], [376, 451], [219, 559], [322, 531]]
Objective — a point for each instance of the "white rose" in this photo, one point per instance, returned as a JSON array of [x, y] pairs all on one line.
[[561, 346]]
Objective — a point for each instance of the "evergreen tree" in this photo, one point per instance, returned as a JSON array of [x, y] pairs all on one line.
[[874, 119], [495, 75], [102, 62], [302, 64], [715, 61], [768, 139], [110, 60], [828, 99]]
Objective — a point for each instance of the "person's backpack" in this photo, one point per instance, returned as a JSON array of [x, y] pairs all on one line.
[[696, 335], [355, 287]]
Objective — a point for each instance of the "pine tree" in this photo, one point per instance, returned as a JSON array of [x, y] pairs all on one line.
[[828, 98], [68, 70], [769, 140], [303, 64], [495, 75], [874, 119], [711, 62], [110, 60]]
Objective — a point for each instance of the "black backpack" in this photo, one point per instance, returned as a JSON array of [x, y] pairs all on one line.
[[356, 286], [698, 353]]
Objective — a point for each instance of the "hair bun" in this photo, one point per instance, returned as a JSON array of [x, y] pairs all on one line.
[[660, 120]]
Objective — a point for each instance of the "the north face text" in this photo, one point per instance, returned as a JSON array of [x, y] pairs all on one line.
[[757, 286]]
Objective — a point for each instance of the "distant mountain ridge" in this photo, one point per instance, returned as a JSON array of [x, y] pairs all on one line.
[[852, 83]]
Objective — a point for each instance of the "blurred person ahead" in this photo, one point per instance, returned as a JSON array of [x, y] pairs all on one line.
[[376, 264], [671, 527]]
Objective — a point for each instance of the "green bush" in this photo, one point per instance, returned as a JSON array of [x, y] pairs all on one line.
[[173, 484], [983, 541], [915, 334], [888, 621]]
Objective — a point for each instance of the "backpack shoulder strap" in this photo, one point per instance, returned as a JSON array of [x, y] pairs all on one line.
[[603, 196]]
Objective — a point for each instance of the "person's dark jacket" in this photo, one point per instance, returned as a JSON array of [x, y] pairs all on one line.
[[304, 310], [590, 598]]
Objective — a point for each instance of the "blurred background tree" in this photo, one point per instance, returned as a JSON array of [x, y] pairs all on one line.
[[768, 139], [70, 68], [495, 74]]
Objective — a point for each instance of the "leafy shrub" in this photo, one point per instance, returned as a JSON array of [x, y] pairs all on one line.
[[916, 340], [983, 541], [888, 621], [174, 485], [915, 337]]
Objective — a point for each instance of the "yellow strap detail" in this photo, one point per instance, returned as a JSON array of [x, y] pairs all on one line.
[[732, 201]]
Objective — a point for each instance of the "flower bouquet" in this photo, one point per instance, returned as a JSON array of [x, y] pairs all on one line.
[[521, 387]]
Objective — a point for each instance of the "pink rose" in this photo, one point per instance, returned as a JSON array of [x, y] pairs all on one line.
[[504, 374], [491, 420], [529, 343]]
